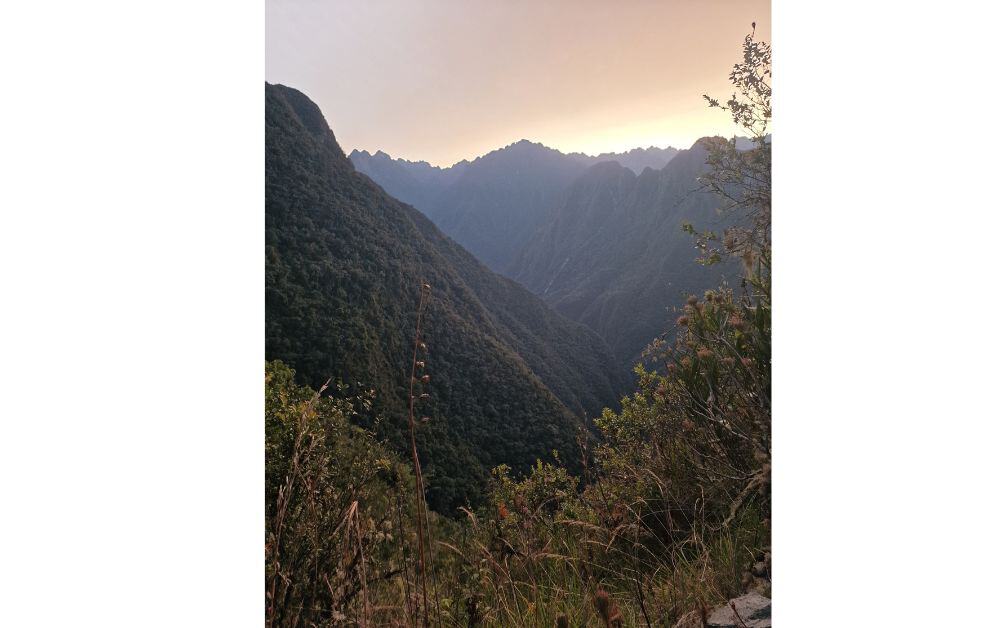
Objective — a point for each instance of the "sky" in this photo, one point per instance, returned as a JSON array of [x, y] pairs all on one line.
[[446, 80]]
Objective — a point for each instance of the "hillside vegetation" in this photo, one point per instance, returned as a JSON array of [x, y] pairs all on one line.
[[600, 242], [665, 512], [512, 379]]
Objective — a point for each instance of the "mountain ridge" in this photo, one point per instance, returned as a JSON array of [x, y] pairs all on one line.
[[494, 203], [511, 378], [614, 262], [614, 255], [636, 157]]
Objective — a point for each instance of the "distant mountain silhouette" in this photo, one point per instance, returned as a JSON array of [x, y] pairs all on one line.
[[599, 240], [636, 160], [502, 198], [494, 204], [511, 378], [415, 182], [614, 255]]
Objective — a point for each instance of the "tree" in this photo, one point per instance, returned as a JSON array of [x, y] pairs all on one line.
[[742, 178]]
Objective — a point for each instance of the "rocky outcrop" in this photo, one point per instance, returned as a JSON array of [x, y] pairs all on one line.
[[752, 610]]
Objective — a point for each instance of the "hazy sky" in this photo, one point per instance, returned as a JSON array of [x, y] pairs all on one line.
[[444, 80]]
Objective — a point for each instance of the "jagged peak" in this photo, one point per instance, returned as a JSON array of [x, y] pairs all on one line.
[[384, 156], [524, 144]]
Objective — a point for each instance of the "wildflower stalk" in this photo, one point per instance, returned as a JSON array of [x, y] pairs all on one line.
[[419, 497]]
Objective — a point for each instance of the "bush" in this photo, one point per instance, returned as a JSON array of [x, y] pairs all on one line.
[[336, 514]]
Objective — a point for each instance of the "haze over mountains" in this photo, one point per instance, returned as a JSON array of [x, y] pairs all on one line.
[[599, 238], [599, 244], [472, 321], [614, 255], [636, 160], [493, 204], [511, 379], [415, 182]]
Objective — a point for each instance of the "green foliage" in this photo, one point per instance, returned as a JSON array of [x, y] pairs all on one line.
[[344, 262], [668, 511], [750, 105], [334, 503], [542, 546], [742, 178], [675, 507]]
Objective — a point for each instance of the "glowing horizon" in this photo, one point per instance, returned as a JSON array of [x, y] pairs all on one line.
[[447, 81]]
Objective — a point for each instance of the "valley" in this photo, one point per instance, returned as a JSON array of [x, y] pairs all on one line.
[[600, 241]]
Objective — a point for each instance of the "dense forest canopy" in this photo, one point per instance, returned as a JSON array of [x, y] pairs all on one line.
[[512, 380], [665, 514]]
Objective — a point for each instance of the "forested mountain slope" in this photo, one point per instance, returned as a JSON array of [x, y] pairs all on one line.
[[344, 262], [494, 204], [615, 256], [599, 240]]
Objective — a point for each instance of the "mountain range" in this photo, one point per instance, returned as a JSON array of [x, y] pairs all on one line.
[[636, 160], [511, 380], [598, 238], [614, 254], [494, 204]]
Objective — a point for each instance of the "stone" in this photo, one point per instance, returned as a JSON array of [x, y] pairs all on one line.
[[754, 611]]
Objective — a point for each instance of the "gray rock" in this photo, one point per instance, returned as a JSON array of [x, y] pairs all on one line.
[[754, 611]]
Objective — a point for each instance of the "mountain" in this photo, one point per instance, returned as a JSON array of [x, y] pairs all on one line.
[[494, 204], [614, 255], [510, 378], [415, 182], [636, 160], [502, 198]]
